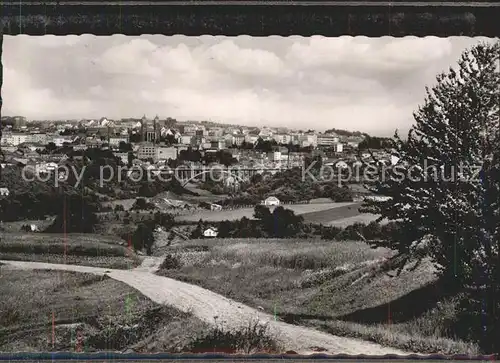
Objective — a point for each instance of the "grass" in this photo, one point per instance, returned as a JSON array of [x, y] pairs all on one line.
[[303, 209], [340, 287], [83, 249], [364, 218], [325, 216], [16, 226], [251, 339], [107, 315]]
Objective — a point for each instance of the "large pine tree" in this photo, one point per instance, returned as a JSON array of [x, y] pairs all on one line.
[[444, 190]]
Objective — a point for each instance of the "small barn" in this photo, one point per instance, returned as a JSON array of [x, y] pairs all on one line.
[[210, 232], [272, 201], [215, 207]]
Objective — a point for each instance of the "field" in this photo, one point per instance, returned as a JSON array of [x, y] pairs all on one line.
[[17, 226], [107, 314], [303, 209], [80, 249], [66, 311], [360, 218], [341, 287], [326, 216]]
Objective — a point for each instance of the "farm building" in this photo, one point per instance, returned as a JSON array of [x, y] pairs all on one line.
[[272, 201], [215, 207], [210, 232]]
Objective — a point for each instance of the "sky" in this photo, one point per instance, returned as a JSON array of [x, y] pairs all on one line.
[[355, 83]]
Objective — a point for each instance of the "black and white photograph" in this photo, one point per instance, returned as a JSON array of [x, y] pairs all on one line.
[[242, 195]]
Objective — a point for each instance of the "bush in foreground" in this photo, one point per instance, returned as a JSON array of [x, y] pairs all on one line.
[[253, 338]]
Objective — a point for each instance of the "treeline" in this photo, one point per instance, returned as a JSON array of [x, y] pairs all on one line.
[[143, 236], [344, 132], [373, 142], [38, 200], [290, 185], [270, 145], [283, 223], [116, 186], [223, 157]]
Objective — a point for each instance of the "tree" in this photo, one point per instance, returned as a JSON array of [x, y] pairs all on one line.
[[372, 142], [286, 223], [443, 207], [265, 145], [198, 231], [262, 212], [135, 137], [51, 147], [170, 139], [143, 237], [77, 215], [142, 204], [164, 220], [224, 229], [124, 146]]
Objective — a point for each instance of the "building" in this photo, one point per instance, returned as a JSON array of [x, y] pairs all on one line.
[[15, 138], [189, 129], [272, 201], [146, 151], [327, 140], [265, 133], [39, 138], [115, 140], [216, 131], [251, 139], [282, 138], [210, 232], [165, 153], [339, 147], [4, 192], [123, 157], [308, 140], [219, 144], [215, 207], [275, 156], [186, 139]]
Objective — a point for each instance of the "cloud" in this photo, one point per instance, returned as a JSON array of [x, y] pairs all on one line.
[[369, 84], [253, 62], [131, 58]]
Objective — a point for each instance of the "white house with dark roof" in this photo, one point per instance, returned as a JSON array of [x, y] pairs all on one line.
[[210, 232], [272, 201], [4, 192]]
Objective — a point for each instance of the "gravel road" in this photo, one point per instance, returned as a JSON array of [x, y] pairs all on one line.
[[211, 307]]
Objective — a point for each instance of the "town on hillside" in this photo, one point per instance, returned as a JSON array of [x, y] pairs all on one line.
[[152, 143]]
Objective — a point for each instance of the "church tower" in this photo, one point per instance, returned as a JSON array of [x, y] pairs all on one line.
[[144, 125], [155, 129]]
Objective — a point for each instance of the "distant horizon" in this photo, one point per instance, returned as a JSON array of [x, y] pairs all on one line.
[[187, 121], [371, 85]]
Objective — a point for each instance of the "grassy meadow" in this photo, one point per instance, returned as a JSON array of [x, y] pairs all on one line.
[[302, 209], [67, 311], [341, 287], [80, 249]]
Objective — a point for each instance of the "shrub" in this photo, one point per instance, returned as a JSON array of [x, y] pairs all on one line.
[[253, 338], [171, 262], [351, 232]]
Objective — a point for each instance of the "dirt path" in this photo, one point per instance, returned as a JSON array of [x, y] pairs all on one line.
[[212, 307]]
